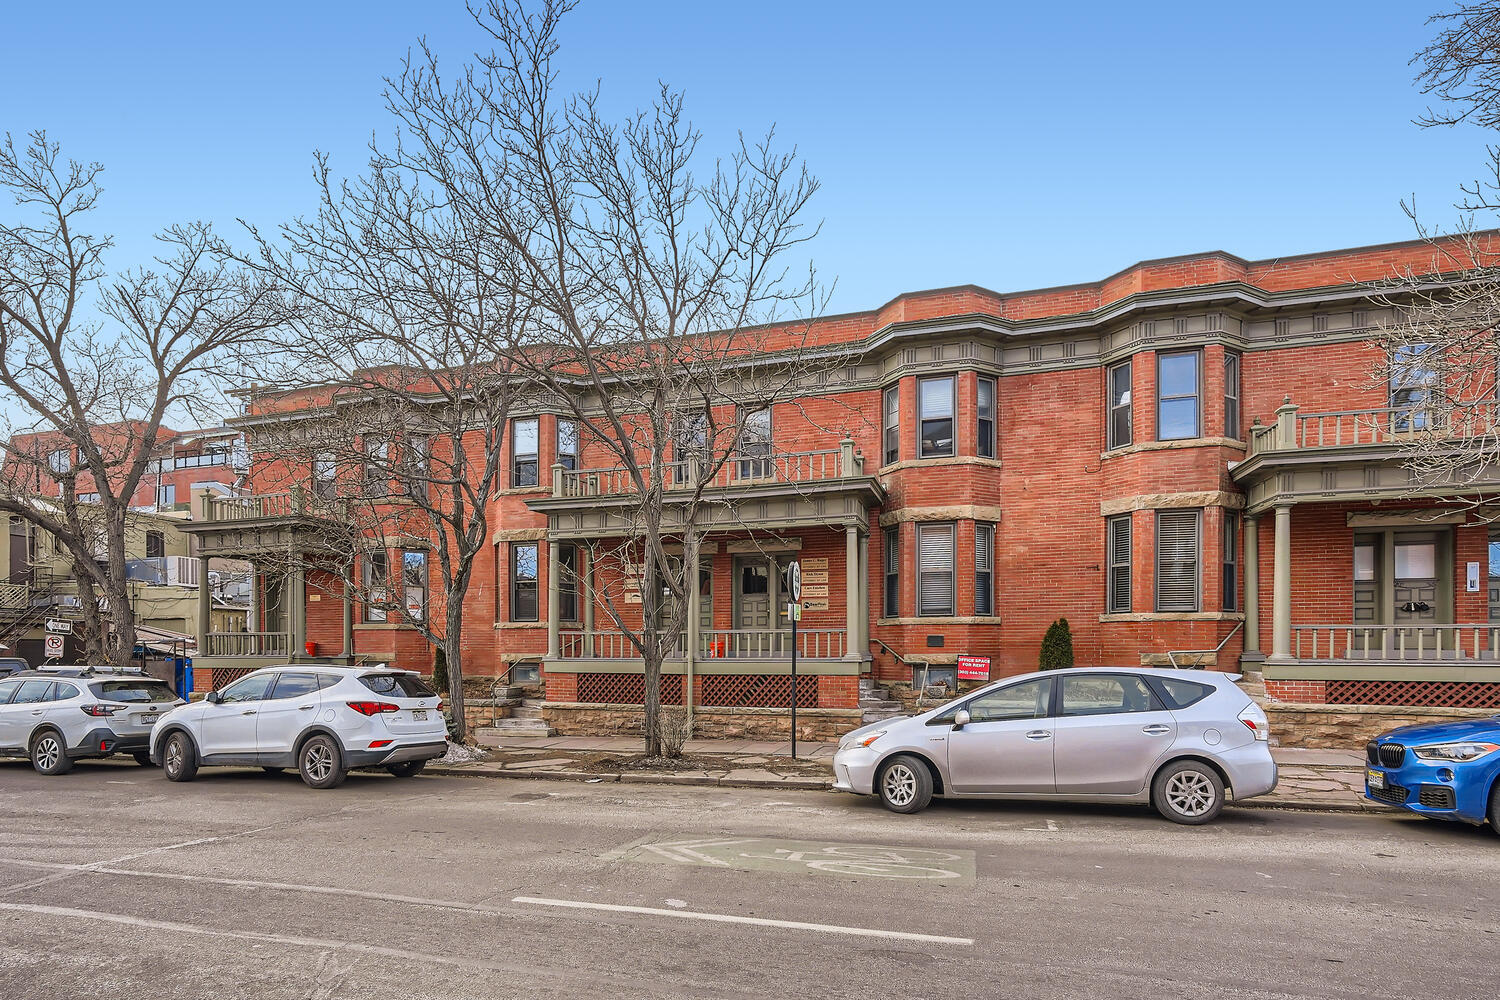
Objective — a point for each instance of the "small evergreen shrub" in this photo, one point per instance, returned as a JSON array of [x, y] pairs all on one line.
[[1057, 646]]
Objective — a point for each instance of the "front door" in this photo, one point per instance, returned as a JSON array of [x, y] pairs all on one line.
[[753, 593], [229, 726], [1007, 745], [1108, 735], [1417, 590]]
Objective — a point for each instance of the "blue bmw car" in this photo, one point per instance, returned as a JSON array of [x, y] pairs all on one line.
[[1445, 770]]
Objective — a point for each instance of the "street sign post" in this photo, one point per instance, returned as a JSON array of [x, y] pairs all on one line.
[[794, 612]]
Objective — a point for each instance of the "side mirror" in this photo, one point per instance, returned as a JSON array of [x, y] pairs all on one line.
[[961, 719], [213, 697]]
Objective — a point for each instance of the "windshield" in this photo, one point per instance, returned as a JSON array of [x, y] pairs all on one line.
[[398, 685], [134, 691]]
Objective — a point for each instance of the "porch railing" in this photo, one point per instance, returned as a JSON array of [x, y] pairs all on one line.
[[1396, 642], [790, 468], [271, 505], [1381, 425], [824, 643], [248, 644], [14, 596]]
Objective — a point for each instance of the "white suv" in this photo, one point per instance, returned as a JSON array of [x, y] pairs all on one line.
[[322, 720], [61, 715]]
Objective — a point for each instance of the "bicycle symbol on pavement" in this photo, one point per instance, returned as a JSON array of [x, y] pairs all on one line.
[[804, 857]]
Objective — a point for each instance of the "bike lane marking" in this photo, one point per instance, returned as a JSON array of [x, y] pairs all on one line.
[[803, 857]]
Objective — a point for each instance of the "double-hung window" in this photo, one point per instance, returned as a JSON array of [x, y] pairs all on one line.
[[1177, 553], [984, 418], [690, 442], [377, 574], [414, 583], [523, 582], [416, 467], [935, 570], [524, 440], [1231, 561], [156, 545], [935, 401], [166, 495], [1231, 394], [567, 582], [567, 443], [1119, 405], [984, 569], [892, 431], [891, 540], [1414, 380], [1178, 414], [377, 468], [325, 472], [1117, 552], [754, 446]]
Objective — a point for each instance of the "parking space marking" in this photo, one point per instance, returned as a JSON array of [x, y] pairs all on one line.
[[729, 918], [759, 854]]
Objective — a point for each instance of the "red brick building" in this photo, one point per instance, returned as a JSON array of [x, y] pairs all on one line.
[[1191, 459]]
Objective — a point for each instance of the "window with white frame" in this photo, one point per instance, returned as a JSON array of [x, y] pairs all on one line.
[[754, 446], [524, 441], [935, 405], [567, 443], [377, 468], [325, 472], [1178, 534], [1117, 552], [166, 495], [416, 467], [892, 557], [984, 569], [1231, 552], [1231, 394], [936, 591], [377, 576], [1119, 405], [523, 582], [1414, 382], [984, 418], [892, 429], [414, 583]]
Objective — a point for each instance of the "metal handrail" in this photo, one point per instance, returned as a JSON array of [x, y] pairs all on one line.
[[1201, 654]]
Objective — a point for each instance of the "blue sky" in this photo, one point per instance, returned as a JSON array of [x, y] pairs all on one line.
[[957, 142]]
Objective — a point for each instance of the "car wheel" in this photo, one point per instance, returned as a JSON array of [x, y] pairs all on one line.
[[1188, 792], [407, 768], [142, 758], [905, 785], [1495, 808], [49, 755], [321, 764], [178, 760]]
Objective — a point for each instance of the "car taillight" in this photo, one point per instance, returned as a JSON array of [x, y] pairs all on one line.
[[1255, 721], [373, 707], [99, 711], [379, 744]]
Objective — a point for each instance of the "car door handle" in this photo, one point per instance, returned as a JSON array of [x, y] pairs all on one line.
[[304, 708], [1039, 734], [1157, 729], [36, 711], [248, 711]]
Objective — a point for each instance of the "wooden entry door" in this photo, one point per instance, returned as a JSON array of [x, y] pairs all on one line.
[[1417, 597], [758, 621]]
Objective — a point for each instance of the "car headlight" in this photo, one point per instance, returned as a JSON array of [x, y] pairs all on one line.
[[862, 740], [1455, 752]]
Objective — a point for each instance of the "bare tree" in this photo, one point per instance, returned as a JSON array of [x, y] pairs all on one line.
[[654, 294], [403, 327], [94, 364]]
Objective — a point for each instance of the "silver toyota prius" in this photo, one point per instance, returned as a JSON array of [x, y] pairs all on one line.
[[1181, 741]]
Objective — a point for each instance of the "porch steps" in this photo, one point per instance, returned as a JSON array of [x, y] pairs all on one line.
[[877, 703], [525, 721]]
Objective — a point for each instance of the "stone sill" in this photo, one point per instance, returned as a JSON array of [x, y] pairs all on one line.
[[942, 620], [930, 463], [1175, 616], [1203, 442]]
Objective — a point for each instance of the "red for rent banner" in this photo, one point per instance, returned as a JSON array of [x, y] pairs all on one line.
[[973, 668]]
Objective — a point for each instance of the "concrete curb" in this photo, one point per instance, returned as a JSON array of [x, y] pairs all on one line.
[[822, 785]]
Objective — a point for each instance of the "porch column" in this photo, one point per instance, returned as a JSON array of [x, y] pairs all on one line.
[[205, 605], [694, 609], [299, 610], [1252, 587], [554, 602], [255, 618], [349, 619], [1281, 587], [851, 593], [864, 596], [586, 595]]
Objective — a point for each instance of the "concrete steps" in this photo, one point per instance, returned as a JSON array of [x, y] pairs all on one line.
[[876, 703], [525, 722]]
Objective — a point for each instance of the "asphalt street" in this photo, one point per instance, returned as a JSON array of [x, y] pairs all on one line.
[[115, 883]]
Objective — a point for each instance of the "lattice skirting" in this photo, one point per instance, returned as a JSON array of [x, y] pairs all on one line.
[[228, 675], [626, 689], [1447, 694], [757, 691]]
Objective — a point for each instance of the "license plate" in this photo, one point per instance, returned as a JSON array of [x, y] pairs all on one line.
[[147, 720], [419, 715], [1375, 779]]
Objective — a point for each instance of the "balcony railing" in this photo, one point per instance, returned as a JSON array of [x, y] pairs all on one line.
[[160, 571], [15, 596], [247, 644], [270, 505], [1381, 425], [1405, 643], [761, 644], [791, 468]]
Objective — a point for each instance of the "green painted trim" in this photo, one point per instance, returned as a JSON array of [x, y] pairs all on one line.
[[718, 667], [1435, 670]]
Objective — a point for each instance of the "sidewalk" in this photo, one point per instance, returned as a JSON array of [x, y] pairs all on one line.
[[1324, 780]]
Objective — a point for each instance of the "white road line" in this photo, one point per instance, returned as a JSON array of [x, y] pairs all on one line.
[[322, 944], [727, 918], [64, 870]]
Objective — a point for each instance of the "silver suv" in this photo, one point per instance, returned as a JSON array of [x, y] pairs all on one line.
[[58, 716], [1179, 741]]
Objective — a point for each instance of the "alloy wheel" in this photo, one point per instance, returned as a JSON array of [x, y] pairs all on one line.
[[47, 752], [899, 785], [317, 761], [174, 756], [1191, 793]]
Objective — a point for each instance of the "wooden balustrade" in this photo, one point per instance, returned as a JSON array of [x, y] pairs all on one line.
[[247, 644], [789, 468], [1403, 643]]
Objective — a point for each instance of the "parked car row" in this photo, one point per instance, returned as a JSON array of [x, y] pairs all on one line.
[[322, 720]]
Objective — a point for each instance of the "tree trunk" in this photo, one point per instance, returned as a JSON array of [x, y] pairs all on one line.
[[452, 649], [651, 661]]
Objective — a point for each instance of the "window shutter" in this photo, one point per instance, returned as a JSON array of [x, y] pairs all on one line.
[[1177, 560], [935, 568], [1119, 565]]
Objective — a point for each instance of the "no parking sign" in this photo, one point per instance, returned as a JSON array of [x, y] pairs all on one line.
[[53, 645]]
